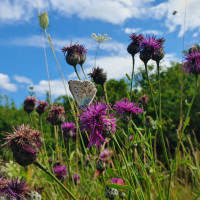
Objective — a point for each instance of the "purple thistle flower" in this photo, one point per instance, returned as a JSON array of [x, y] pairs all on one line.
[[148, 47], [14, 189], [131, 137], [29, 104], [68, 129], [192, 63], [56, 115], [125, 109], [134, 46], [41, 108], [118, 181], [76, 179], [25, 144], [60, 171], [105, 154], [98, 121]]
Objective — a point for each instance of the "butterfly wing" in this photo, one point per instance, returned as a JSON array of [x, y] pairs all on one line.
[[83, 91]]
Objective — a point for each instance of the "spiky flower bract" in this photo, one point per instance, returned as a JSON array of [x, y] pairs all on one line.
[[25, 144], [148, 47], [68, 129], [74, 54], [60, 171], [160, 53], [125, 109], [192, 62], [29, 104], [98, 75], [56, 115], [134, 46], [14, 189], [95, 118], [41, 108]]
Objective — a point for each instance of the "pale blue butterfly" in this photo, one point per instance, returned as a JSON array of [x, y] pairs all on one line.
[[83, 91]]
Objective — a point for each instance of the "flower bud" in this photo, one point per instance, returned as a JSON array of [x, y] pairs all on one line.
[[44, 20], [100, 165], [29, 104]]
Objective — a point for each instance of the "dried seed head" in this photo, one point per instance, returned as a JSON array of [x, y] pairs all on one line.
[[98, 75], [56, 115]]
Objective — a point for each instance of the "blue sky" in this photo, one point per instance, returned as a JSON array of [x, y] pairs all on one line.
[[22, 55]]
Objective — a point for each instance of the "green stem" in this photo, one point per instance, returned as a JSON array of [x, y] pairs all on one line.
[[105, 92], [30, 118], [127, 168], [43, 168], [159, 85], [95, 59], [151, 90], [75, 68], [132, 76], [83, 71], [185, 124]]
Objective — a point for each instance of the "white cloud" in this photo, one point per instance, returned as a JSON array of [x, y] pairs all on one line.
[[131, 30], [19, 10], [117, 66], [195, 34], [57, 87], [6, 84], [173, 21], [22, 79]]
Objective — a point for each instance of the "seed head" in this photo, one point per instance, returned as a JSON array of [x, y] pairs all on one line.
[[98, 75], [56, 115], [25, 144]]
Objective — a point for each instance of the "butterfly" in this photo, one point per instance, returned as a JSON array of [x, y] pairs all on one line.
[[83, 91]]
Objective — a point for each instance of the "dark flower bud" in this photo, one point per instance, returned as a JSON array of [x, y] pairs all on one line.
[[134, 46], [158, 55], [41, 108], [98, 76], [56, 115], [111, 193], [100, 165], [25, 144], [76, 179], [148, 122], [29, 104], [122, 195], [73, 59]]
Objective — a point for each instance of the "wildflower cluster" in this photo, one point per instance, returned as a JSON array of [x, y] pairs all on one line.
[[100, 38]]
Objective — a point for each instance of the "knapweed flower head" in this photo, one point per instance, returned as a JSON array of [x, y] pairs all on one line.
[[29, 104], [56, 115], [131, 138], [14, 189], [68, 129], [125, 109], [143, 99], [74, 54], [95, 118], [148, 47], [41, 108], [25, 144], [192, 62], [100, 38], [60, 171], [160, 53], [98, 75], [134, 46], [118, 181], [104, 154], [76, 179]]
